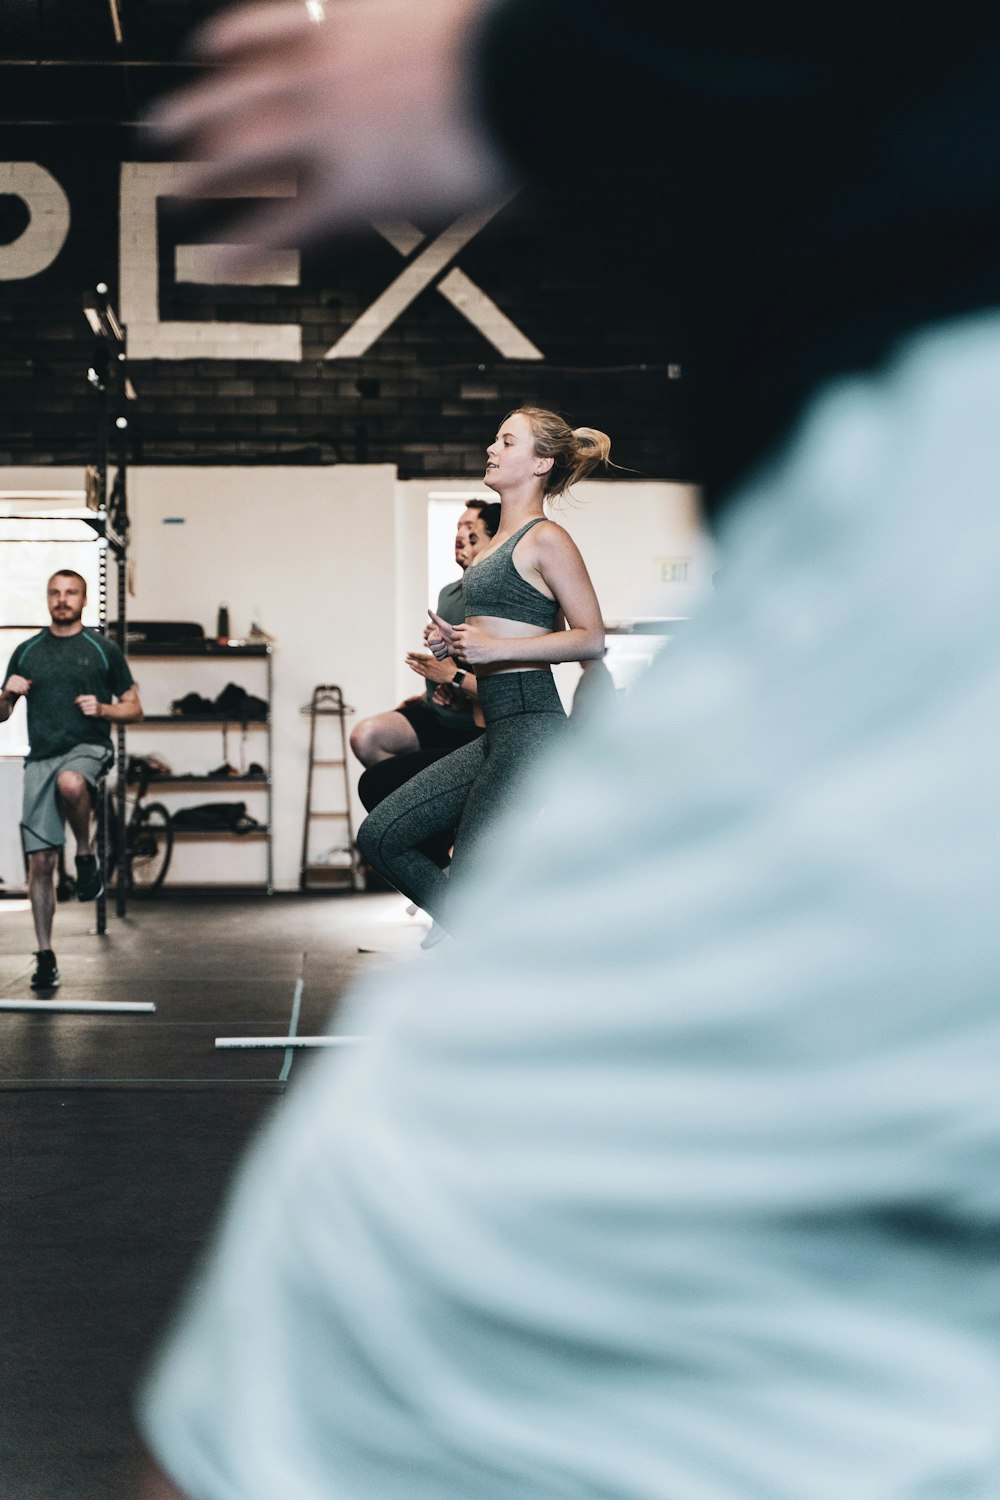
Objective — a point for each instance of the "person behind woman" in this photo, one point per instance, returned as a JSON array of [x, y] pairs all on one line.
[[519, 594], [448, 685]]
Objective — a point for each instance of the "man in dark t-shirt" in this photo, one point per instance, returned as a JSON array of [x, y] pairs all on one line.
[[69, 677], [425, 722]]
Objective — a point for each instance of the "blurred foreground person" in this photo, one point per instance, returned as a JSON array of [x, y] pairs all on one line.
[[693, 1193]]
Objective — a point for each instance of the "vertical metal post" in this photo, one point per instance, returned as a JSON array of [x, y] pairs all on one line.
[[102, 853], [102, 800], [270, 775], [113, 388], [121, 885], [102, 621], [123, 874]]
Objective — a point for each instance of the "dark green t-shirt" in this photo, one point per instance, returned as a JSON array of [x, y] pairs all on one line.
[[451, 607], [60, 668]]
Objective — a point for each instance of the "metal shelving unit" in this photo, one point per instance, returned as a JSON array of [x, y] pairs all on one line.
[[205, 652]]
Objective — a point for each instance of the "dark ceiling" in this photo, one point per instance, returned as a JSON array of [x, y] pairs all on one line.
[[63, 60]]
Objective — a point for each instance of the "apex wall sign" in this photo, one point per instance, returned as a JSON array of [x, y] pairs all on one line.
[[143, 184], [401, 345]]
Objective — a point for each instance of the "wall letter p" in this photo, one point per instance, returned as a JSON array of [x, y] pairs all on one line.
[[37, 247]]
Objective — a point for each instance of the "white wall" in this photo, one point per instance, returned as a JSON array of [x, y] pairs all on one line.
[[632, 533], [312, 548]]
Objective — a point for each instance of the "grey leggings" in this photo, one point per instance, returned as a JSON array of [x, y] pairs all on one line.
[[466, 790]]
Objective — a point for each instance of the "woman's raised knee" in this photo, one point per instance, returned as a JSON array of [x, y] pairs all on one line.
[[380, 837], [367, 840]]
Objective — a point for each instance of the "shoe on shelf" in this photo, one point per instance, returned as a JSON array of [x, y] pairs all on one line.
[[89, 884], [46, 975], [238, 706], [193, 706]]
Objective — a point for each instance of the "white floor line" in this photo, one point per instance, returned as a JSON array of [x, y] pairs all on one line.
[[293, 1026], [289, 1043], [82, 1007], [235, 1042]]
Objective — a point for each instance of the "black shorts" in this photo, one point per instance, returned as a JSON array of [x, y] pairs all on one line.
[[433, 732]]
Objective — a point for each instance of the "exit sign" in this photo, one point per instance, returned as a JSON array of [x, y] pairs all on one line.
[[675, 569]]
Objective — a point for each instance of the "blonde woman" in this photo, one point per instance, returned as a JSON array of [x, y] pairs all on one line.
[[529, 603]]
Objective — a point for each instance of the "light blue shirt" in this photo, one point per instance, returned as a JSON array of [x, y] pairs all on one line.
[[694, 1193]]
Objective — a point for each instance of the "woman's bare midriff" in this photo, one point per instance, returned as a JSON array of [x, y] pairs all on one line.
[[510, 630]]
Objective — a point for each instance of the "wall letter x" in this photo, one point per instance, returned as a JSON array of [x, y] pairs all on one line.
[[469, 299]]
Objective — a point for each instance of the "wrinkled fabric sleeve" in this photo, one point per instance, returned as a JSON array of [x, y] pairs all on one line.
[[693, 1191]]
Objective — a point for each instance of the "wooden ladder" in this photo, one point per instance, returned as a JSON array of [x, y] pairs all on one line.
[[338, 867]]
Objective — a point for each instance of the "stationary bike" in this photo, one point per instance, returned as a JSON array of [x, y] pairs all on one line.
[[146, 841]]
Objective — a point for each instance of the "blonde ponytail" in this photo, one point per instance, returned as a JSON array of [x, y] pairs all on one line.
[[593, 447], [575, 453]]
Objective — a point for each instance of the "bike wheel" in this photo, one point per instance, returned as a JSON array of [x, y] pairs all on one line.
[[151, 840]]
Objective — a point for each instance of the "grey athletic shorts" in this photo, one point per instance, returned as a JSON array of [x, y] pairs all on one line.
[[43, 819]]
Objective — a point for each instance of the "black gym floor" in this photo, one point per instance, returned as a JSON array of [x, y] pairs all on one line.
[[120, 1132]]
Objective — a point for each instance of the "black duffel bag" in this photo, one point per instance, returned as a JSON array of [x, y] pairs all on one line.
[[215, 817]]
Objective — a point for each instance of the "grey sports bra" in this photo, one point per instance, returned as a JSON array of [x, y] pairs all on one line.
[[493, 586]]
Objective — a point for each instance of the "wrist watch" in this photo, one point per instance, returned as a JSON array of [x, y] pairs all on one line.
[[458, 678]]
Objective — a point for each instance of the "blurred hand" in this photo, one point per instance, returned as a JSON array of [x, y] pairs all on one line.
[[446, 696], [88, 705], [19, 686], [371, 106], [430, 667], [440, 636]]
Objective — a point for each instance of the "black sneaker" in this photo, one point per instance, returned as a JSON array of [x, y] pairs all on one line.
[[89, 884], [46, 975]]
